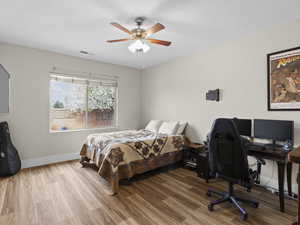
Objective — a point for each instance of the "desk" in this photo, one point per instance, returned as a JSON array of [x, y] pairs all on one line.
[[280, 157]]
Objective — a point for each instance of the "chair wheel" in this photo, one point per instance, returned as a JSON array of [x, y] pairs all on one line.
[[210, 207], [244, 217], [255, 205], [208, 194]]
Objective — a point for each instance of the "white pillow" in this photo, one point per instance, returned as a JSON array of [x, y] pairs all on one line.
[[181, 128], [153, 125], [168, 127]]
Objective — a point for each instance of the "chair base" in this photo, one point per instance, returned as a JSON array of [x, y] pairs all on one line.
[[229, 197]]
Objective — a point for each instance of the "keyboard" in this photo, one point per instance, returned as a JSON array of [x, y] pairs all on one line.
[[255, 147]]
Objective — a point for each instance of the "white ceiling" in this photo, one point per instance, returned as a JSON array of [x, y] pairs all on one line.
[[68, 26]]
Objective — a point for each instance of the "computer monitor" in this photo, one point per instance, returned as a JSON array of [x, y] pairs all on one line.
[[276, 130], [244, 126]]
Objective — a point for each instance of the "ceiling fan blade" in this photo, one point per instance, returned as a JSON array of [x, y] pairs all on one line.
[[160, 42], [118, 40], [157, 27], [121, 27]]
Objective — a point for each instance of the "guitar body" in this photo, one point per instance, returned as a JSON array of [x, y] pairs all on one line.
[[10, 162]]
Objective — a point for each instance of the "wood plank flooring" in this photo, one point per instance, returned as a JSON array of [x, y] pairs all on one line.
[[66, 194]]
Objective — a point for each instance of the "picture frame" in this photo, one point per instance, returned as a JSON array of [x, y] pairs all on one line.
[[283, 71]]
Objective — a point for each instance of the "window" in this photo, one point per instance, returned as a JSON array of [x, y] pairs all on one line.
[[77, 104]]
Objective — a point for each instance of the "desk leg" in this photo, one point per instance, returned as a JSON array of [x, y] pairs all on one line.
[[289, 167], [281, 167]]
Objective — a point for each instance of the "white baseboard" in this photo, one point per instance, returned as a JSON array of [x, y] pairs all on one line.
[[27, 163], [273, 183]]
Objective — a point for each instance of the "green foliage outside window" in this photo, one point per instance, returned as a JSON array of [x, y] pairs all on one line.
[[58, 105], [101, 98]]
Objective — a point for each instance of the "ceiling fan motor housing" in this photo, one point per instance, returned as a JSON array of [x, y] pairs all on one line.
[[138, 33]]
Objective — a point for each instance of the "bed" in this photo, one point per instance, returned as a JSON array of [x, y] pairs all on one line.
[[123, 154]]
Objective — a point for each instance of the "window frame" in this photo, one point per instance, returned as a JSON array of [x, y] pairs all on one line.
[[116, 113]]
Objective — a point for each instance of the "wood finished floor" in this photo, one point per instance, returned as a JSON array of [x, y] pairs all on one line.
[[66, 194]]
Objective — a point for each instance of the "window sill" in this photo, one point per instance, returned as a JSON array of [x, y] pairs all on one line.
[[81, 130]]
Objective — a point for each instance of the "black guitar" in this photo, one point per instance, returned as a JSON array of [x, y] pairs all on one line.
[[10, 162]]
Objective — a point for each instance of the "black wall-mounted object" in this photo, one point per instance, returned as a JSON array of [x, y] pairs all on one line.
[[213, 95]]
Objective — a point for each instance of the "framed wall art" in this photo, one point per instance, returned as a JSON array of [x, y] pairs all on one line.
[[284, 80]]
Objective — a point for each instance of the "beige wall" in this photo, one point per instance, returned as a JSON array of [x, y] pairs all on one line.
[[29, 111], [176, 90], [172, 91]]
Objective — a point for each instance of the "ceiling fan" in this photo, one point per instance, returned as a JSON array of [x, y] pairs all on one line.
[[141, 36]]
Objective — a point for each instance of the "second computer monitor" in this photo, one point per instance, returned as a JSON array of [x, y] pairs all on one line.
[[244, 126], [277, 130]]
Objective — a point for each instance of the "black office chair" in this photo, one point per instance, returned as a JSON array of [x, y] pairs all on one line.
[[228, 160]]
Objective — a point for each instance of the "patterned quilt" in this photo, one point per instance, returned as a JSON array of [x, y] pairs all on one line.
[[127, 146]]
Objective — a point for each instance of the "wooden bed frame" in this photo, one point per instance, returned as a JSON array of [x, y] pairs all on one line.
[[137, 167]]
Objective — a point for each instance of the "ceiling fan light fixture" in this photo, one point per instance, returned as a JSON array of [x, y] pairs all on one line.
[[140, 36], [139, 46]]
